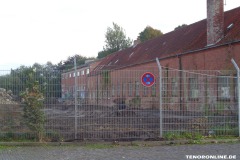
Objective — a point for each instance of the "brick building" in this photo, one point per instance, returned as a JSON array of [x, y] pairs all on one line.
[[68, 79], [209, 44]]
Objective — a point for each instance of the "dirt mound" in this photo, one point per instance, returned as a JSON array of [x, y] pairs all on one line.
[[6, 97]]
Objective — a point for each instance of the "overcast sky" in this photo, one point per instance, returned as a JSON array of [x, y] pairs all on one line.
[[51, 30]]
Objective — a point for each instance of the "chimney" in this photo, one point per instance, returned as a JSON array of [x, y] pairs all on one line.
[[215, 21]]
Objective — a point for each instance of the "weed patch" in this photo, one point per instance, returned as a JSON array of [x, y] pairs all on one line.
[[98, 146]]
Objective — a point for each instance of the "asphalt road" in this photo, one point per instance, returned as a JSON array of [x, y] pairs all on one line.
[[176, 152]]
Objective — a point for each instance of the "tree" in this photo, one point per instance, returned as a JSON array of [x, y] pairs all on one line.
[[48, 77], [33, 103], [180, 26], [115, 40], [104, 53], [149, 33]]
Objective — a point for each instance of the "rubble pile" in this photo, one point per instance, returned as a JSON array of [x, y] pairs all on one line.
[[6, 97]]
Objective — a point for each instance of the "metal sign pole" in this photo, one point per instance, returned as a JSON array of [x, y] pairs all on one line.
[[75, 100], [160, 98], [238, 91]]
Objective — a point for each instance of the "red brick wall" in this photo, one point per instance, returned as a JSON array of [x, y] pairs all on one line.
[[213, 59]]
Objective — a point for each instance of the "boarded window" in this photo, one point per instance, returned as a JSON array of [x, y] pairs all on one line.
[[236, 88], [137, 88], [82, 72], [93, 94], [113, 91], [118, 89], [145, 91], [174, 87], [124, 89], [130, 89], [154, 89], [193, 88], [223, 88]]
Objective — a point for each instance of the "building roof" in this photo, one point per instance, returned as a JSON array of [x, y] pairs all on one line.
[[87, 64], [189, 38]]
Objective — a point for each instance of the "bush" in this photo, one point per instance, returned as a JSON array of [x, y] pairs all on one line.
[[33, 102]]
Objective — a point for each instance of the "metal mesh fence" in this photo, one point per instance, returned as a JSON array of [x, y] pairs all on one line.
[[115, 105], [201, 102]]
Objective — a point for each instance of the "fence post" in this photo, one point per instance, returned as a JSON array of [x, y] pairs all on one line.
[[160, 98], [238, 91], [75, 100]]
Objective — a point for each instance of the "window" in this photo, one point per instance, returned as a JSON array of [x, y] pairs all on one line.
[[87, 71], [164, 87], [70, 75], [90, 95], [93, 95], [113, 91], [174, 87], [82, 72], [145, 91], [154, 89], [118, 89], [130, 89], [78, 73], [193, 88], [131, 54], [137, 88], [236, 88], [124, 89], [223, 88], [73, 74], [105, 94]]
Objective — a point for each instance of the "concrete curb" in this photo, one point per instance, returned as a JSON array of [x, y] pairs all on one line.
[[116, 143]]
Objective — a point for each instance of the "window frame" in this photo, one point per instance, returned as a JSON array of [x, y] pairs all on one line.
[[222, 85], [130, 89], [174, 87], [193, 86], [137, 89]]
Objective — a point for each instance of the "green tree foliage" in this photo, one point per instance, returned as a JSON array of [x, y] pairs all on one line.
[[33, 102], [149, 33], [116, 40], [48, 77], [104, 53], [180, 26]]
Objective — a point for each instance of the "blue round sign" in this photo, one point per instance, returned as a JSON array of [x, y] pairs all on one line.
[[148, 79]]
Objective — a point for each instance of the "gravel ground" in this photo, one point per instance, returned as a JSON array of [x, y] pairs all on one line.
[[177, 152]]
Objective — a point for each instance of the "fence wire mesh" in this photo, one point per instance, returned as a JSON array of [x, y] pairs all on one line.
[[115, 105], [202, 102]]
